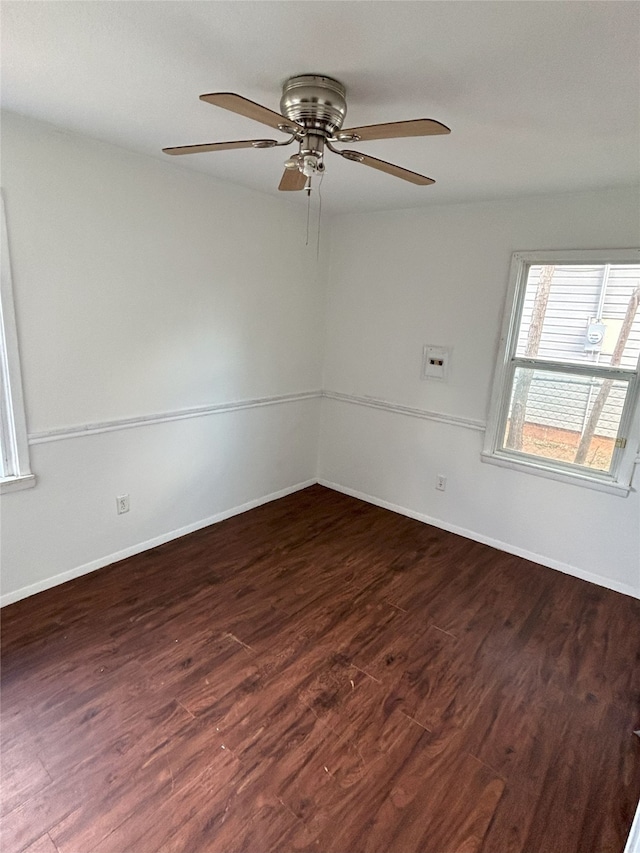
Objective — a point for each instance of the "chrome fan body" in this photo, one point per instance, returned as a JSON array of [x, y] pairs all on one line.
[[312, 111]]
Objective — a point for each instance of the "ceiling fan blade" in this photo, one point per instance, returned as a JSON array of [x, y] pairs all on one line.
[[293, 179], [245, 107], [221, 146], [393, 130], [389, 168]]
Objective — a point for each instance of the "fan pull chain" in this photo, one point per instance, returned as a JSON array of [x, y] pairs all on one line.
[[319, 214], [308, 214]]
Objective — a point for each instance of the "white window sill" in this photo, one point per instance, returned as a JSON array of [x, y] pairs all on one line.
[[15, 484], [541, 470]]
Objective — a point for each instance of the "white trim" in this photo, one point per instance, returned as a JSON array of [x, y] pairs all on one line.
[[550, 563], [411, 411], [12, 416], [633, 841], [16, 484], [562, 257], [601, 371], [132, 550], [574, 478], [63, 433]]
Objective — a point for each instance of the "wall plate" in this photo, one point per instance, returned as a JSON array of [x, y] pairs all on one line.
[[435, 362]]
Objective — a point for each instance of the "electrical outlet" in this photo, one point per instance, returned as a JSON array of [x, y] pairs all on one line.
[[441, 483], [122, 502]]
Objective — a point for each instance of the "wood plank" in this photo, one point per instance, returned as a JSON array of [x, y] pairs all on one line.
[[88, 799], [23, 774], [44, 844]]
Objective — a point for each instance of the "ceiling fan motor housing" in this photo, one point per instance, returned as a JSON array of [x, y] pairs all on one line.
[[312, 112], [317, 103]]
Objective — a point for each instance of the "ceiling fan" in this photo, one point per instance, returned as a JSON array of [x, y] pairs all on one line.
[[312, 111]]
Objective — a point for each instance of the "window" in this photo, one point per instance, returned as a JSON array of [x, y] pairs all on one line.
[[15, 472], [566, 382]]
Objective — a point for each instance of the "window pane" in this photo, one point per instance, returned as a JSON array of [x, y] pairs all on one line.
[[585, 313], [565, 417]]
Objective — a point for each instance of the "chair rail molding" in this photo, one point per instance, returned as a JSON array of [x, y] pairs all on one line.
[[411, 411], [62, 433]]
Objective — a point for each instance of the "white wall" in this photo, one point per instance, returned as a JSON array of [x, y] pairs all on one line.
[[141, 289], [399, 280]]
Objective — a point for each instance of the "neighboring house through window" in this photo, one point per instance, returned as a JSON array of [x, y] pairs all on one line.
[[566, 382], [15, 472]]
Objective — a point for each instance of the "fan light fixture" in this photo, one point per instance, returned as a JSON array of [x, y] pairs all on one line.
[[312, 111]]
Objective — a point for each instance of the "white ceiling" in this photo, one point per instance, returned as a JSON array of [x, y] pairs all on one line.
[[540, 96]]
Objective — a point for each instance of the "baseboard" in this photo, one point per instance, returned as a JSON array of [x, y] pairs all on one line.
[[633, 841], [599, 580], [132, 550]]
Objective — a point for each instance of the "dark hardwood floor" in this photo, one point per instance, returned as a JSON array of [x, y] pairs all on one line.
[[320, 675]]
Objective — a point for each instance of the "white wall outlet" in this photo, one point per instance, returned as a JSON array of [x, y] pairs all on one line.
[[441, 483], [435, 362], [122, 502]]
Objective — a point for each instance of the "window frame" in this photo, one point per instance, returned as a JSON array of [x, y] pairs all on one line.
[[618, 479], [15, 468]]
